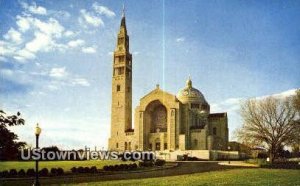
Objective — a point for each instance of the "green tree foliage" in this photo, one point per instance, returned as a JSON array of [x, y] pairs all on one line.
[[9, 147]]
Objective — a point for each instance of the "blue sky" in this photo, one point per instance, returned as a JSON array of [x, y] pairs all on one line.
[[55, 58]]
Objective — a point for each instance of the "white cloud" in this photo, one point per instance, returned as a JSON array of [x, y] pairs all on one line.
[[23, 23], [34, 9], [76, 43], [89, 50], [6, 72], [63, 78], [87, 18], [281, 95], [135, 53], [58, 72], [52, 27], [46, 36], [233, 104], [102, 10], [41, 41], [52, 87], [13, 35], [80, 81], [23, 55], [69, 33], [60, 14], [180, 39], [7, 49]]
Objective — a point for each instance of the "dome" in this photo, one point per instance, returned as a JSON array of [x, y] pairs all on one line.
[[191, 95]]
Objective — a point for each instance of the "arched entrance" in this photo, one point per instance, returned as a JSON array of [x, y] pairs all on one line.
[[157, 117], [155, 125]]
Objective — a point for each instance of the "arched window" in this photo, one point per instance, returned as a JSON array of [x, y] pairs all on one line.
[[117, 145], [126, 146], [159, 119]]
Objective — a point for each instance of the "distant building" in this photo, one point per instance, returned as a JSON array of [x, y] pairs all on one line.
[[163, 121]]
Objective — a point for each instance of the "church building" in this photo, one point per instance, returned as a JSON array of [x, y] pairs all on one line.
[[162, 121]]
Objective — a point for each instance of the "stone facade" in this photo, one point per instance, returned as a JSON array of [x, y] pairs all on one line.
[[163, 121]]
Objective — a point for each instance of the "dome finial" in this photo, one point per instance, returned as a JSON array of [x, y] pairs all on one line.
[[189, 82]]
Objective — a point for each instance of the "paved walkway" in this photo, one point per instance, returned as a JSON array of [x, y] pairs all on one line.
[[237, 163], [180, 169]]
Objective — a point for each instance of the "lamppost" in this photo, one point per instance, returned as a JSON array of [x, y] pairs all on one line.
[[38, 131], [228, 155]]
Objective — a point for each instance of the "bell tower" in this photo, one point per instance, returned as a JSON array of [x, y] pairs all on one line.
[[121, 108]]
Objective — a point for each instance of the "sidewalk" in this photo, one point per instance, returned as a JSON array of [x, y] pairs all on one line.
[[237, 163]]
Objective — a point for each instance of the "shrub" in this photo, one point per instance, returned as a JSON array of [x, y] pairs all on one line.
[[30, 172], [80, 170], [146, 163], [185, 157], [13, 173], [193, 158], [106, 168], [121, 167], [53, 171], [86, 169], [60, 171], [74, 170], [116, 167], [93, 169], [130, 166], [282, 165], [159, 162], [21, 173], [5, 174], [126, 166], [44, 172], [134, 166], [141, 164]]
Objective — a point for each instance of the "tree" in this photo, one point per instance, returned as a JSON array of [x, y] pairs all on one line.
[[296, 142], [296, 100], [9, 147], [269, 122]]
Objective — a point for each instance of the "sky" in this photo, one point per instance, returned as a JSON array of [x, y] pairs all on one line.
[[56, 58]]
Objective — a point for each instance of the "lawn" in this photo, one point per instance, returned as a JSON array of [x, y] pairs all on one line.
[[226, 177], [66, 165]]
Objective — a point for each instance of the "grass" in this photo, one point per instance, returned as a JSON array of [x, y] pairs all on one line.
[[66, 165], [226, 177]]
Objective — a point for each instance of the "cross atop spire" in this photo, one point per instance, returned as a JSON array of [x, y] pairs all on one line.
[[123, 24], [123, 11]]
